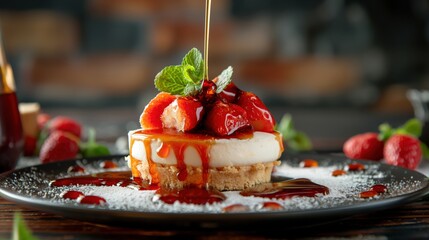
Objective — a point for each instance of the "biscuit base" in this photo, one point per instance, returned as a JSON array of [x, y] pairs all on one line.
[[222, 179]]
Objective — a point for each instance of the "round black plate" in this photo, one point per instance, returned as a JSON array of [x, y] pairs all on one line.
[[30, 187]]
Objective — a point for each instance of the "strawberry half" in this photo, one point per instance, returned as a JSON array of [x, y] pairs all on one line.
[[151, 116], [230, 93], [59, 146], [182, 114], [258, 114], [364, 146], [403, 150], [226, 118], [65, 124]]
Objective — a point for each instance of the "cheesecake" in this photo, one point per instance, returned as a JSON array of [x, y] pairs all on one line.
[[205, 133]]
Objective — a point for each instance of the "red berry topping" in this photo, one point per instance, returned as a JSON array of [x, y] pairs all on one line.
[[182, 114], [59, 146], [258, 114], [208, 92], [72, 194], [403, 150], [65, 124], [230, 93], [379, 188], [226, 118], [364, 146], [151, 116], [338, 172], [368, 194]]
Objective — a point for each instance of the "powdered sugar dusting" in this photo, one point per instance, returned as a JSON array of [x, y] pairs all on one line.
[[344, 190]]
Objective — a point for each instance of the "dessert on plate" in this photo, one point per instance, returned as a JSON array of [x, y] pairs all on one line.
[[200, 132]]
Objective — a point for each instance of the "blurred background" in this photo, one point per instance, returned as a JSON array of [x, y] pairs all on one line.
[[325, 61]]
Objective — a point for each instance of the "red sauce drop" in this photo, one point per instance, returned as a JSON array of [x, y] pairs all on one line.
[[122, 179], [368, 194], [338, 172], [308, 163], [108, 164], [286, 189], [379, 188], [236, 208], [76, 169], [93, 200], [356, 167], [71, 194], [190, 195], [272, 206]]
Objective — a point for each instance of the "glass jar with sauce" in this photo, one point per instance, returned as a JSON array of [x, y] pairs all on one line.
[[11, 133]]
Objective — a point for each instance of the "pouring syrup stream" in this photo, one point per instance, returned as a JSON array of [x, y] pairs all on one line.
[[206, 39]]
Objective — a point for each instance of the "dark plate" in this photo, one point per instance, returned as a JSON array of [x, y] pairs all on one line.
[[30, 187]]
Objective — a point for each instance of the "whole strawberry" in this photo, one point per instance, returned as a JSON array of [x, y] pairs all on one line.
[[364, 146], [59, 146], [403, 150], [65, 124]]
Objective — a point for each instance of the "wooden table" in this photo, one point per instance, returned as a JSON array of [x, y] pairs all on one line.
[[406, 222]]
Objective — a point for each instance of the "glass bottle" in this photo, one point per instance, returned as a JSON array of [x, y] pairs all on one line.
[[11, 133]]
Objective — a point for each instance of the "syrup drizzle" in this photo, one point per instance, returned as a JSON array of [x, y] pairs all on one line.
[[286, 189], [189, 195], [122, 179]]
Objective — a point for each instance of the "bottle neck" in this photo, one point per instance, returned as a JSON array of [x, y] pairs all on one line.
[[7, 83]]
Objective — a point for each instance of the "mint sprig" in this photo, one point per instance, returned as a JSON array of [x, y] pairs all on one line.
[[295, 140], [224, 79], [20, 229], [186, 79], [412, 127]]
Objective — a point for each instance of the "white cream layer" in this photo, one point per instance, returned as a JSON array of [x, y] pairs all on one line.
[[262, 147]]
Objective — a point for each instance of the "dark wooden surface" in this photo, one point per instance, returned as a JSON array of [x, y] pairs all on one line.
[[406, 222]]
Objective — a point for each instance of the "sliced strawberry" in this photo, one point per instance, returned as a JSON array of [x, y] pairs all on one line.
[[182, 114], [230, 93], [59, 146], [226, 118], [65, 124], [403, 150], [364, 146], [151, 116], [258, 114]]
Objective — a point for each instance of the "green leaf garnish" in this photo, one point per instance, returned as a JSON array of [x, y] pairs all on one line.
[[224, 79], [186, 79], [412, 127], [295, 140], [20, 229], [194, 58], [92, 148]]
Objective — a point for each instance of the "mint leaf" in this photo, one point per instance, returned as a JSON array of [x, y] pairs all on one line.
[[295, 140], [411, 127], [194, 58], [385, 131], [92, 148], [425, 150], [224, 79], [20, 229], [174, 79]]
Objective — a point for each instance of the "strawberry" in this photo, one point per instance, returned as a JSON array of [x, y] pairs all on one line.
[[403, 150], [258, 114], [42, 119], [364, 146], [182, 114], [226, 118], [230, 93], [151, 116], [65, 124], [59, 146]]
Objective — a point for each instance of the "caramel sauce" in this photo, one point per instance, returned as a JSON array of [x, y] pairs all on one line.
[[355, 167], [286, 189], [338, 172], [178, 142], [190, 195], [308, 163], [373, 191], [236, 208]]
